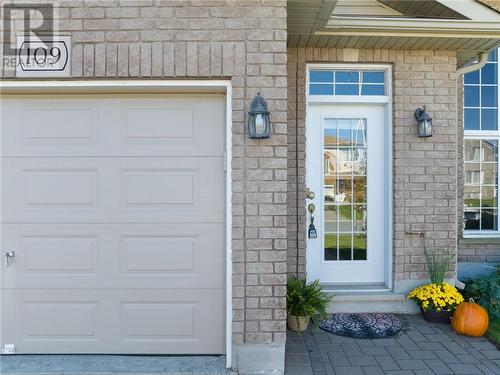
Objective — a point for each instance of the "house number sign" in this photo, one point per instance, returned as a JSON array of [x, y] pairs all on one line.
[[43, 57]]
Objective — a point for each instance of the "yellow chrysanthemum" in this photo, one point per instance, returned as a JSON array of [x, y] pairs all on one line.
[[436, 297]]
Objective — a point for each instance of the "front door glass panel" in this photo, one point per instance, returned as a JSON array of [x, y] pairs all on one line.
[[344, 187]]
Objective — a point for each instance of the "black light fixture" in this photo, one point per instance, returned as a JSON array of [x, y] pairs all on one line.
[[424, 122], [259, 125]]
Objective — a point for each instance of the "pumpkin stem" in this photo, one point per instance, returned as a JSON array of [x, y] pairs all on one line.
[[471, 300]]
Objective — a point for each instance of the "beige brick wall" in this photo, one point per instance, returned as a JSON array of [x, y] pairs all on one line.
[[424, 169], [240, 40], [479, 250]]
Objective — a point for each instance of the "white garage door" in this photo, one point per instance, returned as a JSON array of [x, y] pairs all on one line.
[[114, 207]]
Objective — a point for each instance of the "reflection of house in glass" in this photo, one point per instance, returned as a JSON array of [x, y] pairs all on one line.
[[344, 155], [345, 189], [480, 184]]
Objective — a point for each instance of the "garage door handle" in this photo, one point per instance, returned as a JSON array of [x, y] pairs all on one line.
[[7, 255]]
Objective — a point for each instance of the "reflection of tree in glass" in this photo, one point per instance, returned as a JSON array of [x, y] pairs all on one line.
[[359, 191], [490, 152], [359, 161]]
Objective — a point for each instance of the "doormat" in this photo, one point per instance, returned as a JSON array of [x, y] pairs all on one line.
[[362, 325]]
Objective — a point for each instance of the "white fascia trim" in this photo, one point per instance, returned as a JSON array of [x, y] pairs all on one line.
[[155, 86], [132, 85], [471, 9], [411, 27]]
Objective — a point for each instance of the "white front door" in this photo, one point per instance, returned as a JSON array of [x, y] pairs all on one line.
[[347, 170]]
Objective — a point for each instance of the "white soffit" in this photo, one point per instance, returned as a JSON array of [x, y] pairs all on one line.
[[472, 9], [482, 22]]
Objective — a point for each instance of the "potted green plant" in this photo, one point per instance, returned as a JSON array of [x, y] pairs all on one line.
[[304, 300], [436, 300]]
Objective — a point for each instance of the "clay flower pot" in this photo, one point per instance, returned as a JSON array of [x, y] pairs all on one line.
[[298, 323], [441, 317]]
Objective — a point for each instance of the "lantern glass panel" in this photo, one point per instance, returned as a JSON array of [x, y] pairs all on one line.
[[425, 128], [260, 125]]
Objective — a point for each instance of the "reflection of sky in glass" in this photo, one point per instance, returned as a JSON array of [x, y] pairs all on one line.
[[373, 77], [346, 76], [344, 130], [346, 82], [481, 97], [321, 76]]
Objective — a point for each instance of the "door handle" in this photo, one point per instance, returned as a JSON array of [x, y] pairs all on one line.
[[311, 232], [7, 255], [310, 194]]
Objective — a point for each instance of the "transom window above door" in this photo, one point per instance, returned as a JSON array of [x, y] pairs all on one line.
[[347, 82]]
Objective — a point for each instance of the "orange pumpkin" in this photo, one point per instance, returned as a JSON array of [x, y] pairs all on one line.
[[470, 319]]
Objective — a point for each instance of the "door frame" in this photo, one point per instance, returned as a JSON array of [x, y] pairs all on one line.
[[386, 101], [54, 87]]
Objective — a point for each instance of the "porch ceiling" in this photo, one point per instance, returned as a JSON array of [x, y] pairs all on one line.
[[468, 27]]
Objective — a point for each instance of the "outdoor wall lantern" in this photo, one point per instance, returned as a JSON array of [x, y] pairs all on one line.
[[259, 125], [424, 122]]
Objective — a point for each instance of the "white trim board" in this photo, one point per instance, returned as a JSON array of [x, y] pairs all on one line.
[[385, 99], [107, 86], [47, 87]]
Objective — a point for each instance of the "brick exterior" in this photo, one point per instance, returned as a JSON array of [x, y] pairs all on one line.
[[424, 169], [479, 250], [245, 41], [211, 39]]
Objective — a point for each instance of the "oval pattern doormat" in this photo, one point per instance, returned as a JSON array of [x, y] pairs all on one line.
[[362, 325]]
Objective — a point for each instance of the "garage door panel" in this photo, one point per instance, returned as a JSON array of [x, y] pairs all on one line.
[[50, 124], [114, 206], [113, 189], [60, 320], [157, 120], [52, 188], [114, 256], [147, 126], [109, 321], [66, 254]]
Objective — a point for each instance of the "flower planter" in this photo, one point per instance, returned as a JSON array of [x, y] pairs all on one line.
[[298, 323], [436, 296], [441, 317]]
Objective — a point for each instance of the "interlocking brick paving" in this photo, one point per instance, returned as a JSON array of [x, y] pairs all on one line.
[[420, 348]]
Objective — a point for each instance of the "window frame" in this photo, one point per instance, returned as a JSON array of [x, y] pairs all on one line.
[[351, 98], [481, 135]]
